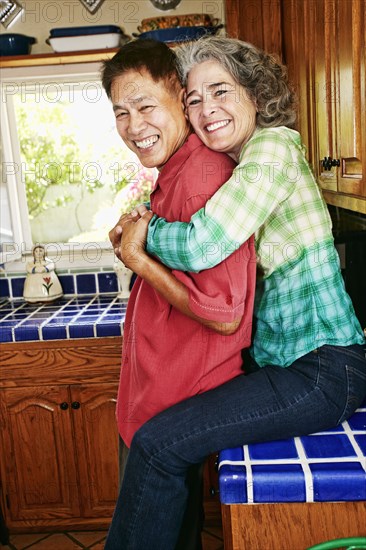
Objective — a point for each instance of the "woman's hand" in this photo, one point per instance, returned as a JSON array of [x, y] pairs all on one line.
[[116, 233], [132, 244]]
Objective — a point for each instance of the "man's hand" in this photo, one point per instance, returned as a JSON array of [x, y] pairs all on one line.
[[116, 233], [133, 241]]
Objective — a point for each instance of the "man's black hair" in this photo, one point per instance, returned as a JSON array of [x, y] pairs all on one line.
[[138, 55]]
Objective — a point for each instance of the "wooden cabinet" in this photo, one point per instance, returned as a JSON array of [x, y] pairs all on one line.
[[59, 464], [323, 44], [324, 48], [257, 22]]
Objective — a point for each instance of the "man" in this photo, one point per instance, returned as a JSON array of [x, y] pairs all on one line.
[[183, 332]]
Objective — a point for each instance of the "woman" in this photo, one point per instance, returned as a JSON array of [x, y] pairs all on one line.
[[310, 369]]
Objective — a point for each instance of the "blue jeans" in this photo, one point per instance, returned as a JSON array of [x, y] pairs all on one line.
[[317, 392]]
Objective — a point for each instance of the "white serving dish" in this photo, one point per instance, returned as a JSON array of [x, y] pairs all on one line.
[[85, 42]]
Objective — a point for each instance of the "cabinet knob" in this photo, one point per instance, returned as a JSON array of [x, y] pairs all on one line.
[[328, 162], [75, 405], [213, 491], [64, 406]]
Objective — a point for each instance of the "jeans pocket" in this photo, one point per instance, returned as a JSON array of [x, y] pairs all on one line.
[[356, 391]]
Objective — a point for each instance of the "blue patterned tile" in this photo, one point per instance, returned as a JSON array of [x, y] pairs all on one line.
[[86, 284], [361, 441], [122, 306], [235, 454], [51, 307], [55, 332], [67, 283], [108, 329], [104, 299], [329, 466], [113, 317], [26, 333], [358, 421], [73, 307], [17, 286], [326, 446], [16, 317], [269, 486], [338, 481], [43, 314], [59, 321], [107, 282], [273, 450], [80, 314], [86, 319], [6, 333], [232, 484], [81, 331], [4, 287]]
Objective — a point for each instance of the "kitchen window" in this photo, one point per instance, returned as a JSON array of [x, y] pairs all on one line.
[[66, 174]]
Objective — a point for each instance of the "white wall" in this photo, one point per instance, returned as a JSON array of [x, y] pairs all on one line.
[[39, 16]]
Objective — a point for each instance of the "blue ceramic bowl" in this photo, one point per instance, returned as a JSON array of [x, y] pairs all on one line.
[[15, 44]]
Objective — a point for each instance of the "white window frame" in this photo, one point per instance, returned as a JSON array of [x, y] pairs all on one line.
[[15, 254]]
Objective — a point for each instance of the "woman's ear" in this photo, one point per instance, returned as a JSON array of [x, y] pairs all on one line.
[[185, 110]]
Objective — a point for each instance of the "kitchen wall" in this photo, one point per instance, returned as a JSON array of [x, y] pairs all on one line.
[[39, 16]]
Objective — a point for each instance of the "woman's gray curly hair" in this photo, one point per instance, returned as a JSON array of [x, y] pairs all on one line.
[[263, 77]]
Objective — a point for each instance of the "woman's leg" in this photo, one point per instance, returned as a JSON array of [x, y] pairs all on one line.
[[315, 393]]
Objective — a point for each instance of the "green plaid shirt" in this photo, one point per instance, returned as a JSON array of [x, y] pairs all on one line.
[[301, 302]]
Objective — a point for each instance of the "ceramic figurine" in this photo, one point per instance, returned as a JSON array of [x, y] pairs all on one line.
[[41, 283], [124, 278]]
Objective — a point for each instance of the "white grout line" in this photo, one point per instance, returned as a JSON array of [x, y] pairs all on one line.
[[309, 487], [250, 483]]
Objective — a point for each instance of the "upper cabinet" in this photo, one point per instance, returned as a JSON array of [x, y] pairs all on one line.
[[323, 44], [256, 22]]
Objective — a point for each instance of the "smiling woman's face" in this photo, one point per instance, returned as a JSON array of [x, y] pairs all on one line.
[[220, 110]]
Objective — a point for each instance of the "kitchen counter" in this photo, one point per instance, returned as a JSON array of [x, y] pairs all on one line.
[[87, 316]]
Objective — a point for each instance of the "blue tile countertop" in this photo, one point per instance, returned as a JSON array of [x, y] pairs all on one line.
[[86, 316], [323, 467]]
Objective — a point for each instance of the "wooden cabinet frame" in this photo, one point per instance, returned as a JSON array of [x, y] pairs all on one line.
[[58, 430]]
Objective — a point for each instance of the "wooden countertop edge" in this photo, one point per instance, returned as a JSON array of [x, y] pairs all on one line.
[[66, 343], [89, 360]]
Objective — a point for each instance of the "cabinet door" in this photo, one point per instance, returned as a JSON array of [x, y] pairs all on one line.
[[96, 439], [257, 22], [40, 471], [324, 48], [351, 26], [340, 69]]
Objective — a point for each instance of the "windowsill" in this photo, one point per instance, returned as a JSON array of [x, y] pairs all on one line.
[[90, 256], [89, 56]]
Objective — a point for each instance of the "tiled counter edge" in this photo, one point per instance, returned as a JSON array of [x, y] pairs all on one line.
[[90, 308]]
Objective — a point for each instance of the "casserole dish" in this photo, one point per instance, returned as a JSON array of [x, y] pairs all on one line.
[[84, 42], [15, 44], [179, 34], [169, 21]]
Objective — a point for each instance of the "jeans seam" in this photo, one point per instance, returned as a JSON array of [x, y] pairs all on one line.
[[227, 425], [133, 525], [347, 398]]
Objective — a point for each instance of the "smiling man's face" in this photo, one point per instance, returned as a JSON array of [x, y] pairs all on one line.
[[149, 117]]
